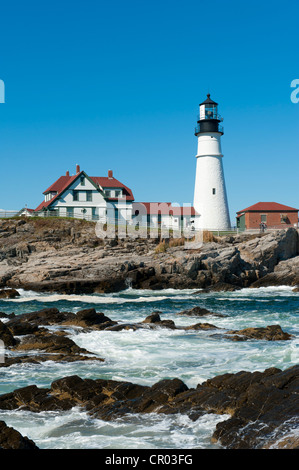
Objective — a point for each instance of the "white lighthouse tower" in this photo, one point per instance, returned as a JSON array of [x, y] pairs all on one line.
[[210, 199]]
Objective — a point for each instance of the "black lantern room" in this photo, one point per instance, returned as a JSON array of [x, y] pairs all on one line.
[[209, 119]]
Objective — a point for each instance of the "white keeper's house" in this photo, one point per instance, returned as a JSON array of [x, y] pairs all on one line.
[[88, 197], [105, 199]]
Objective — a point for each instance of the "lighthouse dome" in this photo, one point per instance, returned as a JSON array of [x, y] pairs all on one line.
[[208, 119]]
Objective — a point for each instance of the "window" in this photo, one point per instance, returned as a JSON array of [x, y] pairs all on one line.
[[214, 190], [108, 193], [88, 196], [70, 212], [118, 193], [283, 218], [82, 181], [95, 213], [263, 217], [75, 195]]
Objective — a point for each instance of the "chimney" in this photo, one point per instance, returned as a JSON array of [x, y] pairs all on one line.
[[67, 173], [110, 174], [77, 169]]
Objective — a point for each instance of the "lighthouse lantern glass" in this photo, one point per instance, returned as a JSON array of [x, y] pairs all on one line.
[[210, 111]]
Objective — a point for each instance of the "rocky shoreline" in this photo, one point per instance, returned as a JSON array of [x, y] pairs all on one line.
[[66, 257], [261, 403], [30, 332], [250, 426]]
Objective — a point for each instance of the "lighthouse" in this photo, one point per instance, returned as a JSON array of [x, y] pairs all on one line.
[[210, 198]]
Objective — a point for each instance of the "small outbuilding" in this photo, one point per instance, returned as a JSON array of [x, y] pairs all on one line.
[[263, 215]]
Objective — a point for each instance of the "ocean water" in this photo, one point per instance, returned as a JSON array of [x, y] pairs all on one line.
[[149, 355]]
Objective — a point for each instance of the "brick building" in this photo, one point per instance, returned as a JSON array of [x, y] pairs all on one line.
[[272, 214]]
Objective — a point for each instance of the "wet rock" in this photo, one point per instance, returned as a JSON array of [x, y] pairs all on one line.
[[44, 317], [123, 326], [90, 318], [269, 333], [50, 346], [6, 335], [199, 312], [221, 287], [155, 320], [7, 315], [152, 318], [51, 343], [9, 294], [201, 326], [12, 439], [261, 404], [262, 410], [20, 328]]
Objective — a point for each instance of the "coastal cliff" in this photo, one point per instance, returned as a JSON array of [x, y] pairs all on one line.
[[60, 255]]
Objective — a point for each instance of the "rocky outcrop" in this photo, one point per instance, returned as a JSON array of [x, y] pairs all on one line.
[[269, 333], [9, 293], [262, 405], [67, 257], [199, 312], [12, 439], [284, 273], [28, 332]]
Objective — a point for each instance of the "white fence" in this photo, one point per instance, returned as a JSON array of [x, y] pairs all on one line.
[[122, 224], [7, 214]]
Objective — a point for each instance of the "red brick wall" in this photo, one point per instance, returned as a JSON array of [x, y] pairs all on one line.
[[253, 219]]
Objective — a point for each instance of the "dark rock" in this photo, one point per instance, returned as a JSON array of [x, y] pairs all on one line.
[[262, 410], [7, 315], [6, 335], [269, 333], [21, 328], [90, 317], [51, 343], [221, 287], [44, 317], [12, 439], [261, 404], [199, 312], [123, 326], [56, 347], [153, 318], [201, 326], [9, 294]]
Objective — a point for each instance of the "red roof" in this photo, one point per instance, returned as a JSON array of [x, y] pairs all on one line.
[[106, 182], [268, 206], [164, 208], [60, 184], [65, 181]]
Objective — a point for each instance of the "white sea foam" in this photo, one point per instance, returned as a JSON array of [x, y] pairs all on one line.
[[74, 429], [140, 296], [147, 355], [129, 295]]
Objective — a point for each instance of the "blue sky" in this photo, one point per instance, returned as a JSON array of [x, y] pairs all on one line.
[[116, 85]]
